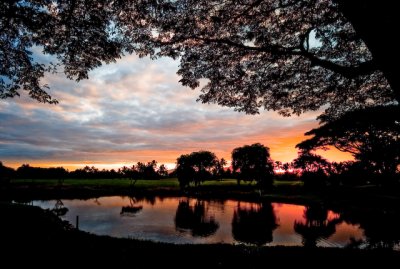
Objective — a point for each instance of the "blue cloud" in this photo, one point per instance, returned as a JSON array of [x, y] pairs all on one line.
[[127, 108]]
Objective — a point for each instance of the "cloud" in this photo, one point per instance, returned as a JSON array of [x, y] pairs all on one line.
[[134, 110]]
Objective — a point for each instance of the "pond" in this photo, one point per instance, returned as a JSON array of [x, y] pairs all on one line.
[[188, 220]]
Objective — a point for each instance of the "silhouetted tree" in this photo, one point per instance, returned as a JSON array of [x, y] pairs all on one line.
[[6, 173], [316, 225], [310, 162], [372, 135], [219, 170], [148, 171], [162, 171], [131, 173], [184, 170], [26, 171], [350, 173], [314, 169], [255, 224], [289, 56], [195, 219], [195, 167], [253, 163], [290, 171]]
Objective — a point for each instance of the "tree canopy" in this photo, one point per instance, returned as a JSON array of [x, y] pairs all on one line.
[[372, 135], [196, 167], [314, 169], [290, 56], [252, 162]]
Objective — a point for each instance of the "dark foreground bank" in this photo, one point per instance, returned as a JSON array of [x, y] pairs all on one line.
[[32, 236]]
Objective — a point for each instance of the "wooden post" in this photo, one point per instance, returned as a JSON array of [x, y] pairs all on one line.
[[77, 222]]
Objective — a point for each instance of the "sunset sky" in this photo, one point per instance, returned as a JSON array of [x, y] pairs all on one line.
[[135, 110]]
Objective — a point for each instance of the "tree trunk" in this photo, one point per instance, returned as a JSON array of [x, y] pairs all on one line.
[[376, 22]]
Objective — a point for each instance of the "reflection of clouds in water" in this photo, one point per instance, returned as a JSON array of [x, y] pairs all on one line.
[[156, 220], [342, 237]]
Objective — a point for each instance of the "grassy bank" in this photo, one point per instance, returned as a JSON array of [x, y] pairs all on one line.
[[39, 238], [28, 189], [282, 191]]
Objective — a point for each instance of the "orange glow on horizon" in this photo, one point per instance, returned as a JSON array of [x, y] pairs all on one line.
[[281, 149]]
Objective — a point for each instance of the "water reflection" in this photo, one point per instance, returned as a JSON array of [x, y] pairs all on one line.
[[59, 209], [189, 220], [316, 225], [131, 209], [381, 227], [195, 219], [254, 224]]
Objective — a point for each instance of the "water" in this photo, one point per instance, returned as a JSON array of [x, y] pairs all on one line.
[[187, 220]]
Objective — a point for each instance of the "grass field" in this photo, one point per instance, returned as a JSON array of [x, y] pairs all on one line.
[[169, 183], [23, 189]]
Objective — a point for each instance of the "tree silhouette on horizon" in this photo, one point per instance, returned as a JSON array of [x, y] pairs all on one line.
[[253, 163], [196, 167], [371, 135]]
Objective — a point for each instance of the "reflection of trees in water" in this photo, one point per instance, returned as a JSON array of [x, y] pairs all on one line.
[[254, 225], [381, 227], [132, 208], [59, 209], [195, 219], [96, 201], [316, 225]]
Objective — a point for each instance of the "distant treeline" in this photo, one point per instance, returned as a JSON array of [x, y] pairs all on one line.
[[148, 170], [249, 163]]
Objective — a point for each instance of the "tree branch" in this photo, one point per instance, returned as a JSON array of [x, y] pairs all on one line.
[[349, 72]]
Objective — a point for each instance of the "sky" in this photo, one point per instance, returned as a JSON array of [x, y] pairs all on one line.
[[136, 110]]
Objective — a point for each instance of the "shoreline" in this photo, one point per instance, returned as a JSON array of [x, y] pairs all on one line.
[[333, 199], [47, 239]]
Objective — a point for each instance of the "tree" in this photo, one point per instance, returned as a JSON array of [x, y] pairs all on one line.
[[310, 162], [219, 171], [6, 173], [314, 169], [184, 170], [131, 173], [290, 56], [148, 171], [162, 171], [372, 135], [253, 163], [195, 167], [26, 171]]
